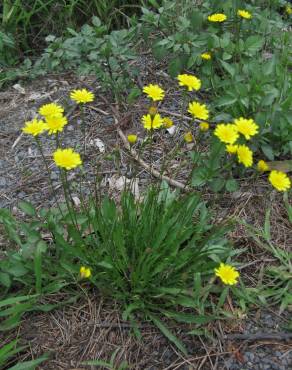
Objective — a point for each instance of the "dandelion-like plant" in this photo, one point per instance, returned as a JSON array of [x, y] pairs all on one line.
[[154, 92], [34, 127], [198, 110], [217, 17], [50, 109], [244, 14], [152, 122], [246, 127], [206, 56], [227, 274], [226, 133], [189, 81], [82, 96], [280, 180], [55, 123], [244, 155], [67, 158], [262, 166]]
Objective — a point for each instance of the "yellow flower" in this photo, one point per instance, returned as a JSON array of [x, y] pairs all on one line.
[[227, 274], [154, 92], [188, 137], [288, 10], [55, 123], [167, 122], [82, 96], [231, 149], [206, 56], [191, 82], [152, 122], [34, 127], [217, 17], [244, 155], [67, 158], [262, 166], [244, 14], [198, 110], [132, 139], [204, 126], [226, 133], [280, 180], [50, 109], [246, 127], [85, 272]]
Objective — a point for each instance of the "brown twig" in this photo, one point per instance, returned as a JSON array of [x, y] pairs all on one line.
[[260, 336], [134, 154]]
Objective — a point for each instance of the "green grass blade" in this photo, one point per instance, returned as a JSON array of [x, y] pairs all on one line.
[[169, 335], [30, 365]]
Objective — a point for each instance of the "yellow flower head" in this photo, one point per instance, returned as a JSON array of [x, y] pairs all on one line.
[[67, 158], [150, 122], [244, 14], [191, 82], [226, 133], [231, 148], [217, 17], [262, 166], [34, 127], [280, 180], [167, 122], [198, 110], [244, 155], [188, 137], [288, 10], [82, 96], [246, 127], [132, 139], [55, 123], [85, 272], [50, 109], [227, 274], [206, 56], [204, 126], [154, 92]]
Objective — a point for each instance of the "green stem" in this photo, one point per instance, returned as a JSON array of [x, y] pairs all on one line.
[[49, 172], [68, 198], [83, 129]]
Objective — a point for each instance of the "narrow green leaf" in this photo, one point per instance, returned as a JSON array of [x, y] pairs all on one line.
[[169, 335], [30, 365]]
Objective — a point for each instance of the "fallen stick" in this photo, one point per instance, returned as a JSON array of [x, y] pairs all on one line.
[[134, 154], [148, 167], [259, 336]]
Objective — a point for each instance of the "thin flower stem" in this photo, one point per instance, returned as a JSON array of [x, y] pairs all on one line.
[[83, 128], [68, 198], [49, 173]]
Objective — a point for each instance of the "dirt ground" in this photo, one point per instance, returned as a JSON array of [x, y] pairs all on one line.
[[92, 328]]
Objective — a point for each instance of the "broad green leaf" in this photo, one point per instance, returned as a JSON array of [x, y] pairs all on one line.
[[254, 43], [5, 279], [225, 101], [27, 208], [231, 185], [268, 151], [230, 68]]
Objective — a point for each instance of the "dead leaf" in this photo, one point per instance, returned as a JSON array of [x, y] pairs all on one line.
[[121, 183]]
